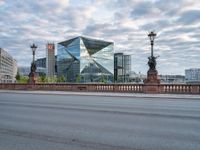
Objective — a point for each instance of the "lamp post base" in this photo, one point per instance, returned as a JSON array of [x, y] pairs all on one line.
[[152, 77], [32, 78], [151, 84]]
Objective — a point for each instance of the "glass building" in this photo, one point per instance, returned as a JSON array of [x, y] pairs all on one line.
[[41, 66], [122, 67], [85, 60]]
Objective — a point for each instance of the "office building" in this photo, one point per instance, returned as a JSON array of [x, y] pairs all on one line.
[[192, 76], [41, 66], [50, 59], [8, 67], [122, 67], [85, 59], [41, 62]]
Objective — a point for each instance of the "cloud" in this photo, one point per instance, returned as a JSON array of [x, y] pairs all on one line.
[[142, 9], [2, 2], [125, 22], [169, 7], [190, 17], [157, 25]]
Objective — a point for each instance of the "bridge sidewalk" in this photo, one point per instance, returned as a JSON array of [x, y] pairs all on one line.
[[108, 94]]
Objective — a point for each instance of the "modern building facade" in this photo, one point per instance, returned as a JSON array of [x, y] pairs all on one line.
[[50, 59], [86, 60], [122, 67], [41, 62], [192, 76], [41, 66], [8, 67]]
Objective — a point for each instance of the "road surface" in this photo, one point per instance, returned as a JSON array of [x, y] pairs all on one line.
[[70, 122]]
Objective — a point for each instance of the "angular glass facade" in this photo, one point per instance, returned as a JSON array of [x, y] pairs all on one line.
[[86, 60]]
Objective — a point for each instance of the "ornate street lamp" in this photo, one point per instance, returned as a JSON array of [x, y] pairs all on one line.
[[152, 59], [33, 47], [152, 36], [152, 72], [32, 74]]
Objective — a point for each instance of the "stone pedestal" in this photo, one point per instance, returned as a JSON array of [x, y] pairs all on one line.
[[152, 77], [32, 78], [151, 84]]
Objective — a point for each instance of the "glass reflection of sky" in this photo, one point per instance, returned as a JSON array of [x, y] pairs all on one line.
[[74, 48], [96, 58]]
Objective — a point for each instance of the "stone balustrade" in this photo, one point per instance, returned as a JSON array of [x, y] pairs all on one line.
[[180, 88]]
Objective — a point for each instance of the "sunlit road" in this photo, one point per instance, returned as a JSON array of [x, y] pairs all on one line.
[[64, 122]]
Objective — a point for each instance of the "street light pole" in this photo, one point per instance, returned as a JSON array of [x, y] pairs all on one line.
[[152, 36], [151, 48], [33, 57], [32, 75], [152, 74], [33, 47], [152, 59]]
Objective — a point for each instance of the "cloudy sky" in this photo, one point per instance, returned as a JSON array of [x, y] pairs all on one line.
[[125, 22]]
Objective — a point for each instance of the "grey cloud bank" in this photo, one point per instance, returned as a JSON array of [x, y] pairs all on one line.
[[126, 22]]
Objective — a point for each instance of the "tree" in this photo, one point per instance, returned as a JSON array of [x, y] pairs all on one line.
[[42, 78], [23, 79], [51, 79], [17, 77], [61, 78], [103, 79], [78, 78]]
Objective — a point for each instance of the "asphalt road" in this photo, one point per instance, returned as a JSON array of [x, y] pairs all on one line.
[[64, 122]]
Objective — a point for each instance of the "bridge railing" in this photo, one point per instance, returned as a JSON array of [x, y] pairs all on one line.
[[179, 88], [129, 88]]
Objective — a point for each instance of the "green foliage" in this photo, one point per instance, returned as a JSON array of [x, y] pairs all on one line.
[[78, 78], [51, 79], [23, 79], [17, 77], [61, 79], [103, 79], [42, 78]]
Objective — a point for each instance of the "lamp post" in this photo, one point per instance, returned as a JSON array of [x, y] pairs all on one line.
[[152, 74], [32, 74], [33, 47], [152, 36], [152, 59]]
